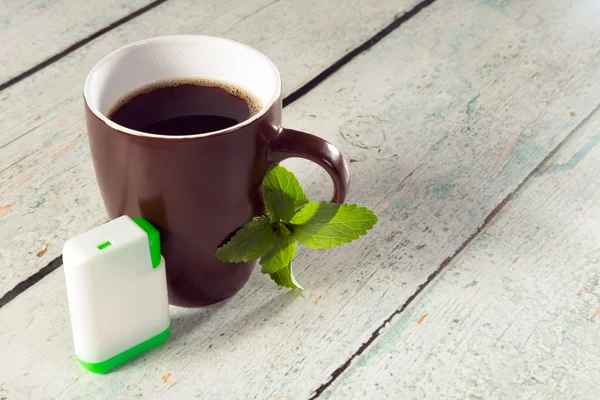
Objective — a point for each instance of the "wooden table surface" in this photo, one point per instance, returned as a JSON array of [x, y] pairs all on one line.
[[472, 129]]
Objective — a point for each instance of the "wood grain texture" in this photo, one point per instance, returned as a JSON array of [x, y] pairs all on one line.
[[47, 184], [32, 31], [516, 315], [441, 120]]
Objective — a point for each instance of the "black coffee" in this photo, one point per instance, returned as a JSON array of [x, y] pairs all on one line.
[[185, 107]]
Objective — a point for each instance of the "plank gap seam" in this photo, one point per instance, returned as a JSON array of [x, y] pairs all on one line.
[[486, 222], [30, 281], [366, 45], [38, 67]]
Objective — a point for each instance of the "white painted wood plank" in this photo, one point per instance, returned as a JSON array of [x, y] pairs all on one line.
[[516, 315], [462, 131], [32, 31], [47, 186]]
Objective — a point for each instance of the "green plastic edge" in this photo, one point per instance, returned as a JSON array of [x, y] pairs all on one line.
[[153, 239], [121, 358]]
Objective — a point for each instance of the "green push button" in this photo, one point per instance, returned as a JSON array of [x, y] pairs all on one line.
[[153, 239]]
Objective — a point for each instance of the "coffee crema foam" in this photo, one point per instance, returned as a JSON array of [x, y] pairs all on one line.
[[254, 104]]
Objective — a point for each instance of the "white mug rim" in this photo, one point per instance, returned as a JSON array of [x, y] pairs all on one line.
[[108, 58]]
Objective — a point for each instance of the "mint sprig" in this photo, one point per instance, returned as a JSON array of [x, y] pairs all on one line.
[[284, 278], [291, 217], [324, 225], [282, 193], [280, 255], [250, 242]]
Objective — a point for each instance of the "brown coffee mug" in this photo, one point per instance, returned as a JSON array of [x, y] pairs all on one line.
[[197, 190]]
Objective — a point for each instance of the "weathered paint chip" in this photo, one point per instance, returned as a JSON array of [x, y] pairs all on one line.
[[5, 209]]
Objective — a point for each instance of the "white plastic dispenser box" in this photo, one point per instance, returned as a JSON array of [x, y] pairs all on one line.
[[117, 291]]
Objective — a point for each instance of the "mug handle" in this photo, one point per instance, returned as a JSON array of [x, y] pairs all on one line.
[[292, 143]]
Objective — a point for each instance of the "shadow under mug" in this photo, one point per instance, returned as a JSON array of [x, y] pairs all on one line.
[[196, 189]]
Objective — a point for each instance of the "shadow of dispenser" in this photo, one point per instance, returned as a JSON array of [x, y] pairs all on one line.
[[117, 292]]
